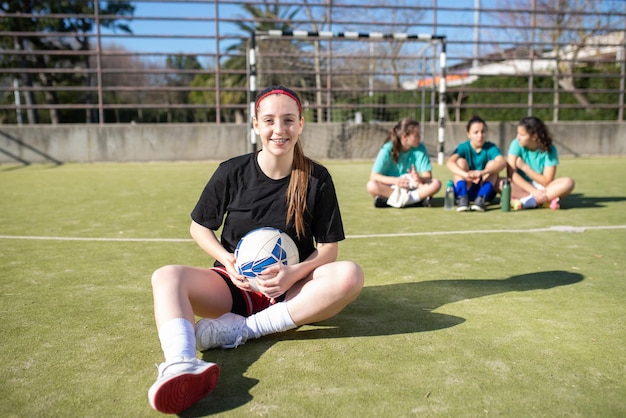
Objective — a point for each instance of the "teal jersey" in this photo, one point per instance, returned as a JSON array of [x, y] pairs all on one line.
[[417, 157], [477, 160], [537, 159]]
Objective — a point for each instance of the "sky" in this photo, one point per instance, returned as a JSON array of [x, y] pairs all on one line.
[[150, 22], [156, 19], [178, 34]]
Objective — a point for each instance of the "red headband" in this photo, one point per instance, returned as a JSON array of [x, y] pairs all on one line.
[[278, 91]]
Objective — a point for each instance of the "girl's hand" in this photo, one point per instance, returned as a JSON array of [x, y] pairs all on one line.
[[410, 180], [273, 281], [519, 163], [475, 176], [414, 174], [240, 281], [403, 182]]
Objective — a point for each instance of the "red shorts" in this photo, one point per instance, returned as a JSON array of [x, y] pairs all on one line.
[[245, 303]]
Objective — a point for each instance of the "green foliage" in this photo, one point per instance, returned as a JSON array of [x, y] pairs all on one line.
[[512, 98], [380, 107], [78, 29]]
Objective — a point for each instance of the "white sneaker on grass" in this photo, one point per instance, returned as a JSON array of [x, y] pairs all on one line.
[[182, 383], [227, 331]]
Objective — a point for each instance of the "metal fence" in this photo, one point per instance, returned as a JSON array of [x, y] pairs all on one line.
[[187, 61]]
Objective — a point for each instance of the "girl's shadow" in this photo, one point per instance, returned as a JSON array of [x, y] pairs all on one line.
[[379, 310], [579, 200]]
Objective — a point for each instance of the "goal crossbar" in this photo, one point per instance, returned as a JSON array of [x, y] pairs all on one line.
[[301, 34]]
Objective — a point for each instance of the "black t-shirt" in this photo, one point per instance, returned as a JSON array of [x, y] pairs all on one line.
[[248, 199]]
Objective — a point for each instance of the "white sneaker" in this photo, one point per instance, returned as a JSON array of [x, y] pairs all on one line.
[[182, 383], [227, 331]]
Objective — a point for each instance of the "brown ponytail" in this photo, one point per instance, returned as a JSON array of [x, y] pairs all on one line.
[[404, 126], [298, 187]]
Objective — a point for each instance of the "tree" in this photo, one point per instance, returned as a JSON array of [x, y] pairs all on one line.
[[402, 16], [231, 82], [180, 79], [566, 27], [115, 57], [55, 34]]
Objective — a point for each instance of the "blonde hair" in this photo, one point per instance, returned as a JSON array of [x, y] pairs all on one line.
[[301, 168]]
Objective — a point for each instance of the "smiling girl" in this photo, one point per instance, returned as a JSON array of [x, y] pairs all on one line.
[[278, 187]]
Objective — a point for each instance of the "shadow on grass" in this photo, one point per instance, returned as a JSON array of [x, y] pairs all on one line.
[[380, 310], [438, 202], [573, 201], [579, 200]]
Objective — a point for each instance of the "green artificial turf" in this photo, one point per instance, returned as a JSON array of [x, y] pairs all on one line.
[[515, 314]]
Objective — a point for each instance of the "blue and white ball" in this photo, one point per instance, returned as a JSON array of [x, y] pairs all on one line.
[[262, 248]]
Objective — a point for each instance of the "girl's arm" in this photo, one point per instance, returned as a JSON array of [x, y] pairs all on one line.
[[402, 182], [421, 177], [494, 167], [516, 178], [544, 178], [454, 167], [424, 177], [207, 240], [325, 253]]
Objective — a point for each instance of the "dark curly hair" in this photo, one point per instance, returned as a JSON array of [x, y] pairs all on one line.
[[535, 126]]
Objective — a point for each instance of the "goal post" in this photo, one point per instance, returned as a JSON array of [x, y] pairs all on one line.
[[291, 62]]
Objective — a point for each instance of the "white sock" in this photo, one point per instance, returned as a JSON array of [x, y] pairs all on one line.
[[276, 318], [414, 197], [177, 339], [528, 202]]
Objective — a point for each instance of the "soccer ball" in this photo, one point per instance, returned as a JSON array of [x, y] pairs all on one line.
[[262, 248]]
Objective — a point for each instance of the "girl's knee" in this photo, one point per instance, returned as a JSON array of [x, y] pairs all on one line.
[[353, 277], [372, 187], [436, 185], [164, 275], [463, 164], [566, 185]]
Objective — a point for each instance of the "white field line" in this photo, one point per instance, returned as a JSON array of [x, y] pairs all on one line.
[[562, 228]]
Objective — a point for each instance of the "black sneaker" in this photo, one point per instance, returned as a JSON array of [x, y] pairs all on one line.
[[462, 204], [380, 202], [426, 202], [479, 204]]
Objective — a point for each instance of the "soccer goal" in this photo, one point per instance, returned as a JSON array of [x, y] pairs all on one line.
[[361, 83]]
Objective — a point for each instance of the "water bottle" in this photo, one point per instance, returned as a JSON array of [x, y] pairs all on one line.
[[505, 196], [448, 202]]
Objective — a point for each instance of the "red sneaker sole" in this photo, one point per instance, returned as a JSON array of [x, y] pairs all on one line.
[[180, 392]]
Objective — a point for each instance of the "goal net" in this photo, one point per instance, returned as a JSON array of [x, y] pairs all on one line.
[[360, 83]]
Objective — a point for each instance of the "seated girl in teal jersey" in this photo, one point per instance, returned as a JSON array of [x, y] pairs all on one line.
[[402, 172], [475, 165], [532, 161]]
